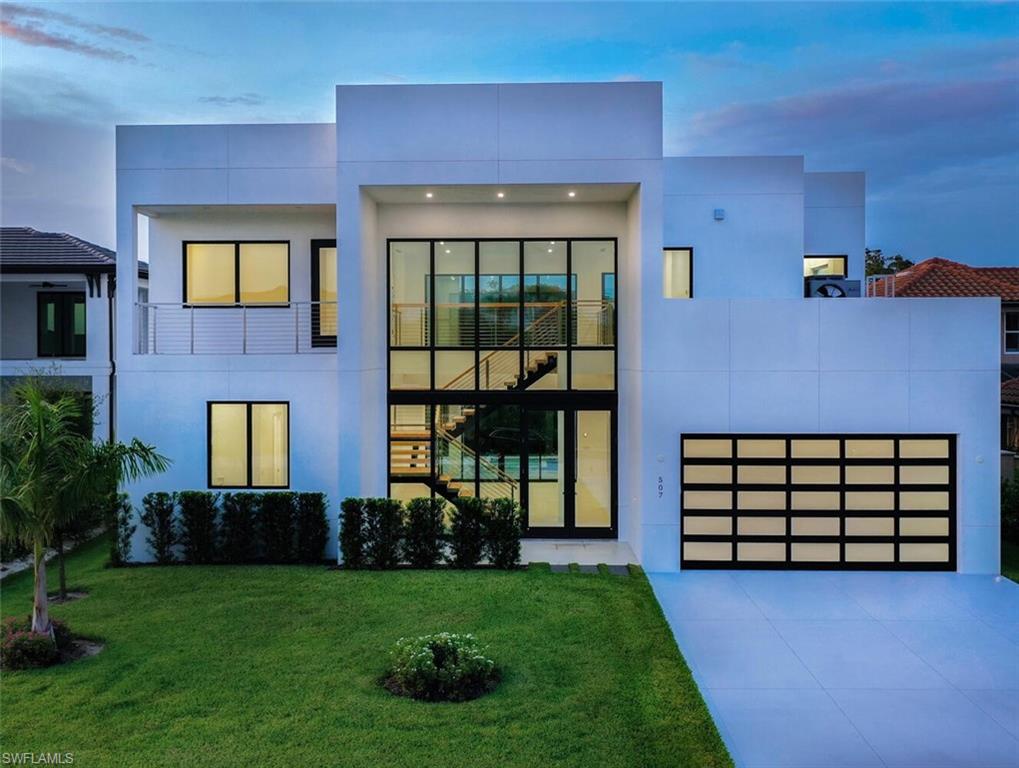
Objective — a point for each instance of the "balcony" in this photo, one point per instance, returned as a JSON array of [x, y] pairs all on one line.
[[300, 327]]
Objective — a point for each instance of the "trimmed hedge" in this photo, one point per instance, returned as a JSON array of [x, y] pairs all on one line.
[[352, 534], [158, 516], [203, 527], [425, 535], [312, 527], [383, 527], [238, 526], [378, 533], [466, 532], [198, 526], [277, 526], [503, 525]]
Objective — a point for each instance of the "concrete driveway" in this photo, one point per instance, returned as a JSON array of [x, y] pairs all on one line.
[[818, 669]]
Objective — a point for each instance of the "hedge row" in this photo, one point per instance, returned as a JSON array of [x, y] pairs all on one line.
[[198, 527], [382, 533]]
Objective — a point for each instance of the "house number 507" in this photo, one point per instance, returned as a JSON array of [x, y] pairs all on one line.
[[661, 487]]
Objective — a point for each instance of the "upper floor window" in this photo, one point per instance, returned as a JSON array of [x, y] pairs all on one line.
[[677, 279], [506, 315], [323, 293], [61, 324], [825, 266], [1012, 331], [249, 445], [237, 273]]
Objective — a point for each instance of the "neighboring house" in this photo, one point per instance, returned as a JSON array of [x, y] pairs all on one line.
[[508, 290], [57, 293], [941, 277]]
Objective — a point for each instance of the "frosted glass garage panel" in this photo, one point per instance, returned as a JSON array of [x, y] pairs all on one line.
[[853, 501]]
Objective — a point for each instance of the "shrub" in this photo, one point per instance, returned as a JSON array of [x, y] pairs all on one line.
[[122, 529], [466, 532], [277, 524], [21, 648], [441, 667], [503, 527], [383, 529], [198, 525], [312, 527], [425, 533], [352, 533], [1010, 510], [158, 516], [238, 529]]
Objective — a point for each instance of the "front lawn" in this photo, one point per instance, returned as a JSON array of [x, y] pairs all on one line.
[[277, 665]]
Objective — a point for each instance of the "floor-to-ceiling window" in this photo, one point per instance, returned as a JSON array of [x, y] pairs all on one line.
[[502, 376]]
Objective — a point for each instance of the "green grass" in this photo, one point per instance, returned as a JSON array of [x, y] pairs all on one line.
[[277, 666], [1010, 560]]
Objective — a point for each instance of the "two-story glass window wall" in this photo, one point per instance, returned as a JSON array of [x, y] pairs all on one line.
[[502, 376]]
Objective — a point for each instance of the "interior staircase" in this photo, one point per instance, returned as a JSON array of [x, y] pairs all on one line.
[[411, 448]]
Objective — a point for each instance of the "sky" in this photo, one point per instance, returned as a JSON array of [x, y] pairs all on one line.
[[924, 97]]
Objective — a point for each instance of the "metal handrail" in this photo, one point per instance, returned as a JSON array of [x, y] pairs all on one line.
[[179, 328]]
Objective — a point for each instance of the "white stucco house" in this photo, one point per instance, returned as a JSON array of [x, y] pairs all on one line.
[[508, 290]]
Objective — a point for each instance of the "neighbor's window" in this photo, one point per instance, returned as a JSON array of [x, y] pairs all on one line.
[[249, 445], [825, 266], [61, 324], [323, 293], [237, 273], [1012, 331], [678, 276]]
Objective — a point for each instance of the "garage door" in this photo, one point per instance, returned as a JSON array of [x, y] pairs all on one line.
[[818, 501]]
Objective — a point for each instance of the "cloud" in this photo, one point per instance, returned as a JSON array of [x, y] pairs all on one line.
[[31, 34], [627, 77], [245, 99], [33, 26], [892, 128], [18, 11], [15, 165]]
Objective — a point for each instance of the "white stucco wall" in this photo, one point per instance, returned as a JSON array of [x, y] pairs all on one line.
[[818, 365], [833, 220], [757, 249]]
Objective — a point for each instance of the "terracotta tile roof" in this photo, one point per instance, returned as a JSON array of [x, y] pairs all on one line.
[[1010, 392], [941, 277]]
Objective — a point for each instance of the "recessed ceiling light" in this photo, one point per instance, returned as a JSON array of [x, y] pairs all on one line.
[[571, 193], [448, 251], [550, 250], [500, 194], [428, 194]]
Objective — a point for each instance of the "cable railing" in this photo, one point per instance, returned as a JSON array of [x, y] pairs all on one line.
[[296, 327], [592, 323]]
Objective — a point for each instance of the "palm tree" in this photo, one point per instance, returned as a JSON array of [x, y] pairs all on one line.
[[50, 472]]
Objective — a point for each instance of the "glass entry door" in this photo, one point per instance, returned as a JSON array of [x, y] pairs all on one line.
[[568, 490]]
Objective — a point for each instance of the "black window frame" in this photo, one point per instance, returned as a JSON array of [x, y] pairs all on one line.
[[681, 248], [237, 273], [208, 442], [64, 316], [568, 400], [319, 339], [845, 264], [1006, 332]]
